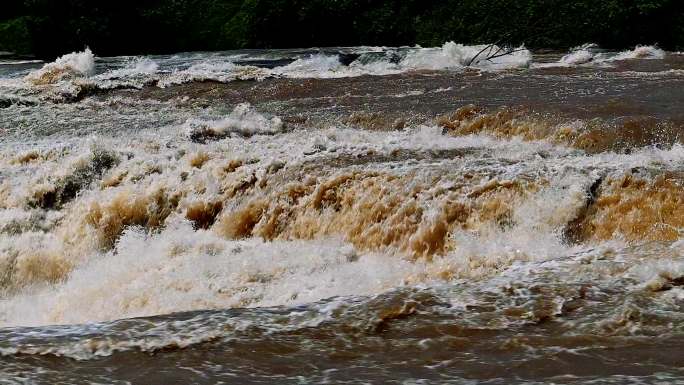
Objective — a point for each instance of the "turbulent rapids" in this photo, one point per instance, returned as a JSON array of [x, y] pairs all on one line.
[[368, 214]]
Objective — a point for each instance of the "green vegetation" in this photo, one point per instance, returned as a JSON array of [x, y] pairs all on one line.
[[15, 35], [51, 27]]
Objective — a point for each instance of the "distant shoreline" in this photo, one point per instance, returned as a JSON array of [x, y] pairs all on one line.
[[48, 29]]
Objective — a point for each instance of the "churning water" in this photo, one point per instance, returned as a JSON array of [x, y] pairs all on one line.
[[345, 215]]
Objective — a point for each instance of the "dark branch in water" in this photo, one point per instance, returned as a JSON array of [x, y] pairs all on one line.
[[470, 62], [497, 54], [504, 43], [509, 52], [573, 230]]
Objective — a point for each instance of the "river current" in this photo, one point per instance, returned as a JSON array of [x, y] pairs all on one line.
[[343, 215]]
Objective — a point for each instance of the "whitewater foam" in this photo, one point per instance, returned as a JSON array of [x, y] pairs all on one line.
[[136, 73], [214, 71], [244, 120], [591, 54], [578, 56], [73, 75], [221, 209], [640, 52], [177, 266], [77, 64], [143, 71], [452, 55]]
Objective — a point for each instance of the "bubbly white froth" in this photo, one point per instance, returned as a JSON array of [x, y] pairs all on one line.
[[158, 220], [73, 64], [71, 74], [181, 268]]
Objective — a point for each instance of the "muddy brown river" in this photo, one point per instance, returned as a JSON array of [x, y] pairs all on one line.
[[363, 215]]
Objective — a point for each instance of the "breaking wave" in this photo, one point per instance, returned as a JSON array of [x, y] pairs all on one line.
[[640, 52], [453, 55], [244, 120], [73, 77], [160, 218], [77, 64], [579, 55], [242, 212], [591, 54]]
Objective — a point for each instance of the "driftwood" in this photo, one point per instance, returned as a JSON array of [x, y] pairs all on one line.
[[500, 52], [507, 49]]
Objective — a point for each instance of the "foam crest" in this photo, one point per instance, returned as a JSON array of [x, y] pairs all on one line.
[[220, 71], [579, 55], [244, 121], [640, 52], [452, 55], [77, 64], [591, 54], [240, 212], [183, 269], [71, 77], [137, 68], [318, 65]]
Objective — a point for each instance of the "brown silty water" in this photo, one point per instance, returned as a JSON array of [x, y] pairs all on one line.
[[518, 225]]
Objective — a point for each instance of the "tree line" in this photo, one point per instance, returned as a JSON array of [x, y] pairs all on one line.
[[47, 28]]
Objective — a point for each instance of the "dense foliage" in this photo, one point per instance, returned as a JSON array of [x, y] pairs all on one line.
[[51, 27]]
